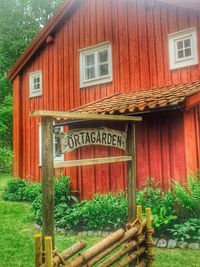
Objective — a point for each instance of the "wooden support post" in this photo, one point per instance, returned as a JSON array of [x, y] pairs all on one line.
[[47, 179], [149, 240], [48, 252], [131, 187], [139, 213], [38, 250], [139, 218]]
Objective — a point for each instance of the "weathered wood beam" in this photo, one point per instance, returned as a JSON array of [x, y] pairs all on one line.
[[48, 252], [132, 257], [47, 179], [38, 250], [82, 116], [85, 162], [66, 254], [128, 235], [121, 253], [131, 186], [96, 249]]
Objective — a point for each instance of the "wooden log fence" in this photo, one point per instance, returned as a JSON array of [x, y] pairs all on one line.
[[130, 247]]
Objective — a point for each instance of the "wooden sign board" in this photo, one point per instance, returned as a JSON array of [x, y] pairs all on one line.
[[98, 136]]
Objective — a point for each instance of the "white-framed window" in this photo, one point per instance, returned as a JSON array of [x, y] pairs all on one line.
[[57, 155], [96, 65], [35, 83], [183, 48]]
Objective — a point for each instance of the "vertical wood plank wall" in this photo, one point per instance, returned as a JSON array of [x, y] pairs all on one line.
[[192, 138], [138, 32]]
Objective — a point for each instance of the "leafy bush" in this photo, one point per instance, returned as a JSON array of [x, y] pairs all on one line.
[[162, 204], [187, 231], [63, 191], [188, 198], [14, 188], [104, 212], [6, 110], [62, 197], [37, 207], [31, 192], [6, 160]]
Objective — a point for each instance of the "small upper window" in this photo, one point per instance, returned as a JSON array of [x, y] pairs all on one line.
[[183, 48], [35, 83], [95, 65]]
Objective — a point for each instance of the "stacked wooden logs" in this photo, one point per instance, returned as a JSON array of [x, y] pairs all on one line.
[[132, 247]]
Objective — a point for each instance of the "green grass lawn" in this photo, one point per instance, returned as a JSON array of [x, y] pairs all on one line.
[[17, 243]]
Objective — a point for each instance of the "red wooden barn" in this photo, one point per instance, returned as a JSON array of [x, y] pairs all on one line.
[[136, 57]]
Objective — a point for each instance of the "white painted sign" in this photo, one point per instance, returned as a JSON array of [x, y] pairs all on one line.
[[98, 136]]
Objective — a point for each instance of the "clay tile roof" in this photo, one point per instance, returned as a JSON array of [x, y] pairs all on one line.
[[145, 100]]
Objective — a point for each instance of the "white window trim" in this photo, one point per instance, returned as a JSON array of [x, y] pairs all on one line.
[[32, 75], [61, 158], [94, 49], [180, 35]]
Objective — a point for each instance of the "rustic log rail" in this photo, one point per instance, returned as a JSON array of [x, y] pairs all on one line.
[[132, 247]]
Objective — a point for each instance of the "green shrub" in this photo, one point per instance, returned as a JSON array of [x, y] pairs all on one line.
[[14, 188], [31, 191], [6, 160], [188, 198], [162, 204], [62, 198], [62, 190], [104, 212], [37, 207], [186, 231]]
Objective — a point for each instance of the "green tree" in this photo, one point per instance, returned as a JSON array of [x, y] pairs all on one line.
[[6, 122], [20, 21]]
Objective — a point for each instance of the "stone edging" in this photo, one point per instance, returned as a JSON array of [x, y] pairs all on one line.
[[171, 243]]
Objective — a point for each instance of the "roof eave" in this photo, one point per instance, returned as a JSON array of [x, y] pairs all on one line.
[[188, 4]]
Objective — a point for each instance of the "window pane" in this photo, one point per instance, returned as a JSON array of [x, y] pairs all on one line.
[[179, 44], [103, 70], [187, 43], [103, 56], [180, 54], [57, 152], [89, 60], [188, 52], [90, 73]]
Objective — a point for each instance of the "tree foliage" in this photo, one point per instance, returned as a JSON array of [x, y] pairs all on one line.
[[20, 21], [6, 122]]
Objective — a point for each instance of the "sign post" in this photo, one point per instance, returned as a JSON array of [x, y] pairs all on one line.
[[82, 137], [131, 183], [47, 179]]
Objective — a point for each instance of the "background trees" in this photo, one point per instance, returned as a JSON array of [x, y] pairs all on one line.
[[20, 20]]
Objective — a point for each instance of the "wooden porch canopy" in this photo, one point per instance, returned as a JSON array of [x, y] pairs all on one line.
[[47, 118], [149, 100]]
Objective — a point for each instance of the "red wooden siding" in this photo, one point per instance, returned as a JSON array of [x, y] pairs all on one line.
[[138, 33], [192, 139], [161, 149]]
